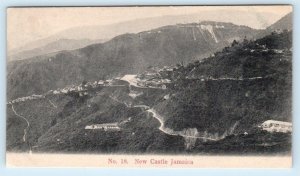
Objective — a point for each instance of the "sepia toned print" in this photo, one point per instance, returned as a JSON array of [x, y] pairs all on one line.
[[161, 86]]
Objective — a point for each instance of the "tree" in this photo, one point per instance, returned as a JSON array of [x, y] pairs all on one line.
[[245, 40], [234, 43]]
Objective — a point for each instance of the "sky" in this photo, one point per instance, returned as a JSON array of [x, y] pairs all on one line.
[[25, 25]]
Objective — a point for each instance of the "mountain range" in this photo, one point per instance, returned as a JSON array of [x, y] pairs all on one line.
[[53, 47], [209, 106], [93, 34], [124, 54], [284, 23], [186, 88]]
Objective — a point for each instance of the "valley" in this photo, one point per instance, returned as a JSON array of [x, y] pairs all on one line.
[[124, 54], [196, 88]]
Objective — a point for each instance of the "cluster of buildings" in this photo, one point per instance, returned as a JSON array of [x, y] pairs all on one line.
[[22, 99], [150, 79], [276, 126], [150, 32], [108, 126], [82, 87], [155, 83], [264, 48], [154, 78], [104, 126]]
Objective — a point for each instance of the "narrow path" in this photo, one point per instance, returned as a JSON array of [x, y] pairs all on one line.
[[114, 85], [174, 133], [162, 125], [115, 99], [25, 129], [160, 119], [230, 78], [27, 122], [237, 79], [52, 103]]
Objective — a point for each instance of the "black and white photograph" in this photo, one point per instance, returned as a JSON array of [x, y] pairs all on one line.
[[168, 84]]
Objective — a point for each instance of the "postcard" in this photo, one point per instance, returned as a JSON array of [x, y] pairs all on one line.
[[149, 86]]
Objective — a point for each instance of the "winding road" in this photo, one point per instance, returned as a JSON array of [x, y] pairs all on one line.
[[236, 79], [25, 129], [22, 117], [133, 81], [163, 129], [229, 78]]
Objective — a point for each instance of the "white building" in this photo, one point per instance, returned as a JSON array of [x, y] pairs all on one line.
[[56, 92], [104, 126], [166, 97], [65, 90], [79, 88], [277, 126]]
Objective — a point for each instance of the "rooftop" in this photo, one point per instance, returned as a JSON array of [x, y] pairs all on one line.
[[278, 122]]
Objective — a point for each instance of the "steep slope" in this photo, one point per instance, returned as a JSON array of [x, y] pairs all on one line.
[[107, 32], [206, 107], [235, 90], [285, 22], [57, 124], [128, 53]]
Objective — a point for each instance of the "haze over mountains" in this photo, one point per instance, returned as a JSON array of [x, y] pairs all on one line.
[[127, 53], [96, 34], [285, 22], [59, 45], [201, 87], [209, 107], [124, 54]]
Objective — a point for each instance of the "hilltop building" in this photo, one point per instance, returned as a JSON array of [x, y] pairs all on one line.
[[276, 126]]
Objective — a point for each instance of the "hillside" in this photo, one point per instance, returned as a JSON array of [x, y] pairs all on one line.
[[107, 32], [235, 90], [124, 54], [209, 106], [284, 23], [57, 124]]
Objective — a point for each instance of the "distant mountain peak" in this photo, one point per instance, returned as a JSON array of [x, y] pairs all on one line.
[[128, 53], [285, 22]]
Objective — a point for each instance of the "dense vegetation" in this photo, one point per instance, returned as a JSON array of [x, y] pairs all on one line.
[[124, 54], [202, 99], [60, 128], [230, 92]]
